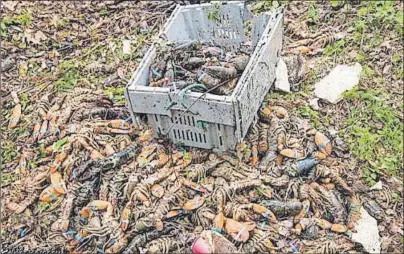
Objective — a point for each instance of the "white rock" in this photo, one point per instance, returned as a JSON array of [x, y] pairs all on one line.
[[126, 47], [314, 104], [367, 232], [281, 72], [340, 79], [377, 186]]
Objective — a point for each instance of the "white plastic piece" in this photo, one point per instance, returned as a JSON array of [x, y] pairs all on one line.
[[377, 186], [126, 47], [282, 78], [342, 78], [314, 104], [367, 232], [214, 121]]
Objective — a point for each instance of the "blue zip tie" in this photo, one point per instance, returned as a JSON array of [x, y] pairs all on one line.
[[100, 250], [201, 76], [21, 232], [294, 249], [78, 238], [221, 53], [321, 146], [217, 230], [69, 232], [265, 214], [155, 72], [83, 220], [50, 194]]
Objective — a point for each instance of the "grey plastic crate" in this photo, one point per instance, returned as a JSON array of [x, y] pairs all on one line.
[[214, 121]]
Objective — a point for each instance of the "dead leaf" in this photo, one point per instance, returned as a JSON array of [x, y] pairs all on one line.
[[40, 36], [34, 38]]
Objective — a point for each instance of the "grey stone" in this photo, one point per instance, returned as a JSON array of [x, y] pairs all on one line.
[[367, 232], [342, 78], [282, 82]]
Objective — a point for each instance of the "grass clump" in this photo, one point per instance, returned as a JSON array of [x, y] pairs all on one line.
[[23, 19], [374, 133], [69, 75], [306, 112], [116, 94], [8, 152]]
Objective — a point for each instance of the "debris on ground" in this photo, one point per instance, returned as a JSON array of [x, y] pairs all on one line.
[[314, 104], [296, 68], [377, 186], [282, 77], [367, 232], [342, 78]]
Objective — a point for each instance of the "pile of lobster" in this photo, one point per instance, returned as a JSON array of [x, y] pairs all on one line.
[[107, 187], [198, 66]]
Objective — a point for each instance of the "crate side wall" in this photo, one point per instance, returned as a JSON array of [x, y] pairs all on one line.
[[258, 82], [205, 23], [190, 132]]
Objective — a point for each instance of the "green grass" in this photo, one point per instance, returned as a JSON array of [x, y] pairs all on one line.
[[213, 13], [8, 177], [375, 21], [68, 73], [335, 48], [42, 206], [24, 100], [8, 152], [306, 112], [312, 13], [116, 94], [374, 133], [336, 3], [23, 19]]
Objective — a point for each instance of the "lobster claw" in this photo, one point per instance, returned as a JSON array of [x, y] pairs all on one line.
[[323, 143], [193, 204], [125, 216], [218, 221], [292, 153], [15, 116], [49, 194], [173, 213], [157, 190], [237, 230]]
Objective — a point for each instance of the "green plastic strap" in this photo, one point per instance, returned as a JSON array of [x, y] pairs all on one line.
[[172, 103], [201, 124], [182, 95], [183, 91]]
